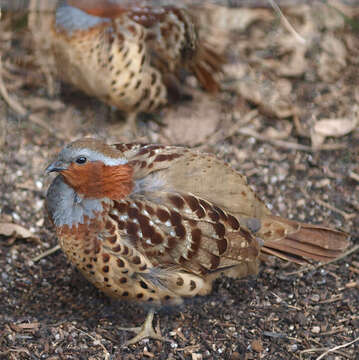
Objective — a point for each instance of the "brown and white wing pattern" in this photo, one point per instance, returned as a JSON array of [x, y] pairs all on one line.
[[186, 218], [162, 236], [173, 245], [184, 171], [171, 168]]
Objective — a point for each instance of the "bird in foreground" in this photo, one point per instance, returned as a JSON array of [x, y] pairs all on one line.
[[156, 224], [129, 53]]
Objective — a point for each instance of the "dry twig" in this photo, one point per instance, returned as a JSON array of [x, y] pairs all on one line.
[[337, 348], [319, 201], [286, 23], [97, 342], [46, 253], [287, 144], [19, 109], [312, 267]]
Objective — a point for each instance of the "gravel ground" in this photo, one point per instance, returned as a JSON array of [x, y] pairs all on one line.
[[265, 124]]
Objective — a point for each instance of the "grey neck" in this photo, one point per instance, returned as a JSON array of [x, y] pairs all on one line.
[[66, 207]]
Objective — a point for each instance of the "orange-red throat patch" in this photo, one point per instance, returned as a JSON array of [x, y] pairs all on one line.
[[97, 180]]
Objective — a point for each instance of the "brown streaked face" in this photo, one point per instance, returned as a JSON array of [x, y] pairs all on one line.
[[94, 171]]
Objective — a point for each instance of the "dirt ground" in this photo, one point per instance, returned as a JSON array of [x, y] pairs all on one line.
[[287, 116]]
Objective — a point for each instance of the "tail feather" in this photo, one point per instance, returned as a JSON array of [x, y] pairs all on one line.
[[304, 242], [205, 77], [214, 60], [207, 63]]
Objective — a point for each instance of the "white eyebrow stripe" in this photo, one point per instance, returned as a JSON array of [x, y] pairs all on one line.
[[113, 162], [109, 161], [93, 155]]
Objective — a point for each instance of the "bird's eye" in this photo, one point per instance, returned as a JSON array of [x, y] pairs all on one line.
[[81, 160]]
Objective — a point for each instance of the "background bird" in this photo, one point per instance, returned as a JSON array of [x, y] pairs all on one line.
[[156, 224], [129, 54]]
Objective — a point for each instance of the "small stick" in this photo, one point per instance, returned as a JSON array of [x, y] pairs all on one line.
[[286, 23], [337, 348], [96, 342], [345, 215], [19, 109], [307, 268], [46, 253], [289, 145]]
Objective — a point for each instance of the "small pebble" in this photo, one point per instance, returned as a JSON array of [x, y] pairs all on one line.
[[15, 216]]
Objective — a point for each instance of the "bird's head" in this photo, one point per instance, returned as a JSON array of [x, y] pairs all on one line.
[[94, 169]]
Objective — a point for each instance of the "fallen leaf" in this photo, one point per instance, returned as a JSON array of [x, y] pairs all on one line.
[[186, 128], [196, 356], [231, 19], [335, 127], [17, 231], [332, 59], [272, 98], [38, 103]]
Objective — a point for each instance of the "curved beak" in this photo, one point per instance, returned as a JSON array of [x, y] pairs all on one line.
[[56, 166]]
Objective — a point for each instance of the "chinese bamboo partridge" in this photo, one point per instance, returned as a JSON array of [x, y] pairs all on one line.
[[156, 223], [126, 53]]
